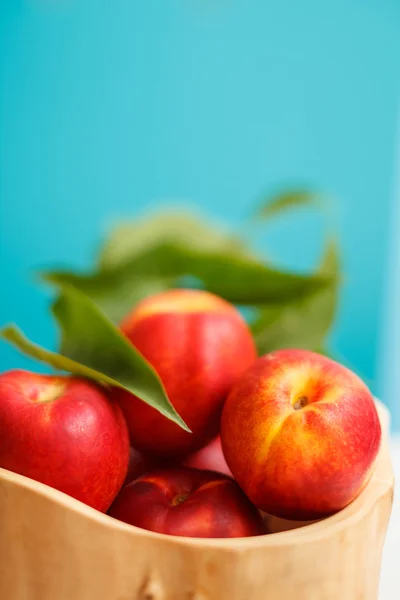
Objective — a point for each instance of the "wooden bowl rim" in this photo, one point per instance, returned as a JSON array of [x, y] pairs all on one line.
[[380, 483]]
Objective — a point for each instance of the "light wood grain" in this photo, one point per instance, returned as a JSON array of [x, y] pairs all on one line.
[[53, 547]]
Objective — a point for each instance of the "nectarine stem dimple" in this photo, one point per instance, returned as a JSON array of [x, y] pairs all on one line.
[[300, 403], [179, 499]]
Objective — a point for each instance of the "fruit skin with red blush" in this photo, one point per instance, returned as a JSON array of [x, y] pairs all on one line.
[[65, 432], [300, 434], [200, 345], [188, 502]]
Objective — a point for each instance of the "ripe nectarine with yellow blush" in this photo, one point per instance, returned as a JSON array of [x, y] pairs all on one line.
[[300, 434]]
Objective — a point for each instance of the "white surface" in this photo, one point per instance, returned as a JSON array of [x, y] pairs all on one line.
[[390, 576]]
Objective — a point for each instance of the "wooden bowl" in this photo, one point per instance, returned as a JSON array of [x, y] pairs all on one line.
[[53, 547]]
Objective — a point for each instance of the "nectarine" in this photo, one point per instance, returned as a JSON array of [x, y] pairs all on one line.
[[199, 345], [300, 434], [65, 432], [188, 502]]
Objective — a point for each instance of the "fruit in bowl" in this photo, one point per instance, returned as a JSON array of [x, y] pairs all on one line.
[[300, 434], [188, 502], [200, 345], [65, 432]]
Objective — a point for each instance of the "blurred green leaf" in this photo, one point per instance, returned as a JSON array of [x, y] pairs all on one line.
[[239, 279], [170, 250], [91, 346], [113, 293], [305, 322], [272, 206], [132, 239], [126, 273]]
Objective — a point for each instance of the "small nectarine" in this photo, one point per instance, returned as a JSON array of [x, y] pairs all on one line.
[[188, 502]]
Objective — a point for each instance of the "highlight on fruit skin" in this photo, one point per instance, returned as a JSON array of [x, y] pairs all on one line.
[[188, 502], [300, 434], [200, 345], [65, 432]]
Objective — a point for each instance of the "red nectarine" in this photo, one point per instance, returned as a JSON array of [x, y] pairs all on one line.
[[300, 433], [65, 432], [199, 345], [188, 502]]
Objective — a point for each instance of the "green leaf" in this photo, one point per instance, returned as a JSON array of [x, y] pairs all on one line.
[[305, 322], [132, 239], [126, 274], [272, 206], [239, 279], [91, 346]]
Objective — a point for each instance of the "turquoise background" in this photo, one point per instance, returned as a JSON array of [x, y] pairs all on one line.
[[109, 106]]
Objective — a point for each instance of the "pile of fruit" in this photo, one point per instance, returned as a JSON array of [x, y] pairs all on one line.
[[292, 433]]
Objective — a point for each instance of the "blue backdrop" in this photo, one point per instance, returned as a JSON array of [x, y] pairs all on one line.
[[108, 106]]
